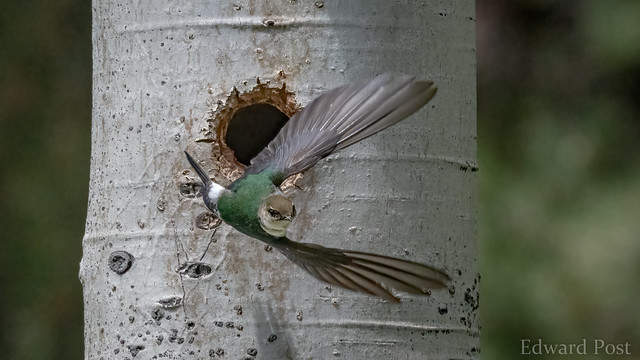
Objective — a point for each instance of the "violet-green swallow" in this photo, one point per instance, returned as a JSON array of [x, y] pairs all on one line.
[[255, 205]]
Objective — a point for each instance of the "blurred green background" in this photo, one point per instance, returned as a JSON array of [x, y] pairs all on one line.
[[559, 154], [45, 134]]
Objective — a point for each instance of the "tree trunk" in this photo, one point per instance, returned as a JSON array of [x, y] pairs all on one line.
[[162, 279]]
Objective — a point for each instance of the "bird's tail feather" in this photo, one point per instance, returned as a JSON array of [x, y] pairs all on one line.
[[199, 170]]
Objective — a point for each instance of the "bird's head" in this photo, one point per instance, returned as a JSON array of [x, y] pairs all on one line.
[[276, 213]]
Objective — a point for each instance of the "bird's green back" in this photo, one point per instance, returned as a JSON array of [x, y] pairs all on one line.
[[239, 207]]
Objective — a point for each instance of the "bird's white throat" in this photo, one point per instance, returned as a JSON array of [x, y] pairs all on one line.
[[277, 228]]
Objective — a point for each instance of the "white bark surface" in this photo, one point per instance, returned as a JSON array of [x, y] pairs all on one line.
[[161, 67]]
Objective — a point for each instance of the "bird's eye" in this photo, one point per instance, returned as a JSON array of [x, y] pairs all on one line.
[[273, 213], [293, 211]]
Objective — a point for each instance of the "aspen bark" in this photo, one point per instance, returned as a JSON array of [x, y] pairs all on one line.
[[161, 280]]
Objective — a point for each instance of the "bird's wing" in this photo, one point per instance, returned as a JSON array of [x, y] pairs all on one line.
[[339, 118], [358, 271]]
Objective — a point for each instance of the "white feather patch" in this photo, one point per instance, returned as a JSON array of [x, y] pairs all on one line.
[[214, 192]]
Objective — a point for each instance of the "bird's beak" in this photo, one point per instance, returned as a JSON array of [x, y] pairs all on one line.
[[288, 218]]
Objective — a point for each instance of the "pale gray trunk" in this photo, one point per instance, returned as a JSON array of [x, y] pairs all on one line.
[[161, 71]]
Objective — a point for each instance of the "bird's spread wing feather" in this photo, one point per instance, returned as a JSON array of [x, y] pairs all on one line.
[[369, 273], [339, 118]]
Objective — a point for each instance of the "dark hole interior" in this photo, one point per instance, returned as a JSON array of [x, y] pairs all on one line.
[[252, 128]]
